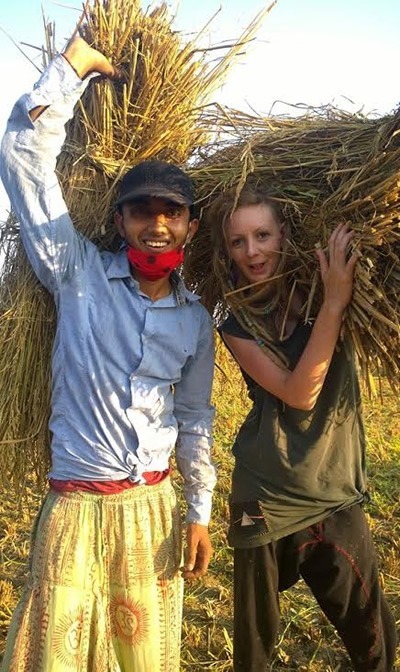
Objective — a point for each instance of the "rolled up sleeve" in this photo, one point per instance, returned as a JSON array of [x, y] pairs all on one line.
[[195, 414]]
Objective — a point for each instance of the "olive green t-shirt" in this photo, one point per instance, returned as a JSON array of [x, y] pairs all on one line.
[[294, 468]]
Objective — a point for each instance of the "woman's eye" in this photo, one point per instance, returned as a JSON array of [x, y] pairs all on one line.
[[263, 234], [236, 242]]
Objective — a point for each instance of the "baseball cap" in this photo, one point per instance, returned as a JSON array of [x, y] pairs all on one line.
[[156, 178]]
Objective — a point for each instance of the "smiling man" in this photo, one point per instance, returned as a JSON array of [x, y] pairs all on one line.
[[131, 381], [155, 218]]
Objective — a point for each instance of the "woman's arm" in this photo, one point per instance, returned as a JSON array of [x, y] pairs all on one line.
[[300, 388]]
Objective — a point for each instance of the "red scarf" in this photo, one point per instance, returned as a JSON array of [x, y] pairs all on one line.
[[155, 266]]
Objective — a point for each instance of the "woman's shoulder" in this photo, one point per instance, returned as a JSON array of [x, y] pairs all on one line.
[[232, 326]]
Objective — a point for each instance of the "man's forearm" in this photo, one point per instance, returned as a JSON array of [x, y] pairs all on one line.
[[194, 464]]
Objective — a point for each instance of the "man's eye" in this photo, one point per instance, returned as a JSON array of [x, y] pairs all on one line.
[[174, 212], [135, 211]]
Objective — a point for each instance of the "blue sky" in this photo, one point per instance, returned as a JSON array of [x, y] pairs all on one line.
[[315, 52]]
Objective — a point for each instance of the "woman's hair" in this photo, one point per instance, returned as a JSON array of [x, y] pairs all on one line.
[[261, 309], [255, 196]]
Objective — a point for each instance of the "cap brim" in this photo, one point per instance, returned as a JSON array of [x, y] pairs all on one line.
[[155, 192]]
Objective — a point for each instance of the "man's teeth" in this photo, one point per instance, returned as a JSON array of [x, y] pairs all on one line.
[[154, 243]]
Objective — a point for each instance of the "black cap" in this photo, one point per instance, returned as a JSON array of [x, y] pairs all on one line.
[[156, 178]]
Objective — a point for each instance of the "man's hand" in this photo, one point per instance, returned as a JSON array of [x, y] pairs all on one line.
[[85, 59], [198, 551]]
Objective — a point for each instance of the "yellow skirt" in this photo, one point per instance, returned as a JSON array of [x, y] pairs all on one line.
[[104, 592]]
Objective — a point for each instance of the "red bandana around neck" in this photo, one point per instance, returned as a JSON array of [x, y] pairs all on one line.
[[155, 266]]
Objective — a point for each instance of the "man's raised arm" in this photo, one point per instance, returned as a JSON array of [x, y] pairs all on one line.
[[33, 139]]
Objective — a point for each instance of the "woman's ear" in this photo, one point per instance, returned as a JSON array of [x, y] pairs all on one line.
[[284, 230], [119, 223]]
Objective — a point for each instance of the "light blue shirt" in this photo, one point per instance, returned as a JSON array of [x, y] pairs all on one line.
[[131, 377]]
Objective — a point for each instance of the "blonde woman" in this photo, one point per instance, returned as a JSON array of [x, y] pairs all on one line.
[[298, 483]]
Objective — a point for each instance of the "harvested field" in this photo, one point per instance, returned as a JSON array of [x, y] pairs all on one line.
[[308, 643]]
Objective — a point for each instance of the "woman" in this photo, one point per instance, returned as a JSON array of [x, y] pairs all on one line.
[[299, 478]]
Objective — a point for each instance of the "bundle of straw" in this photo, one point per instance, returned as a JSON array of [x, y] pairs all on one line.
[[159, 111], [323, 167]]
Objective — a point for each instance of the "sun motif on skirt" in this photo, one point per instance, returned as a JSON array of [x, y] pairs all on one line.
[[129, 620], [67, 638]]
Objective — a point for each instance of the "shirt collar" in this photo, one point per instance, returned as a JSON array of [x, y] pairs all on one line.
[[118, 265]]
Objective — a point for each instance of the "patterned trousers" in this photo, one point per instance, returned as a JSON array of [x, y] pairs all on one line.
[[104, 592]]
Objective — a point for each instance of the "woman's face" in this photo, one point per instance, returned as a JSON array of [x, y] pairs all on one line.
[[254, 239]]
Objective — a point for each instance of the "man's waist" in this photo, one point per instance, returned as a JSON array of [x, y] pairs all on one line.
[[109, 487], [80, 461]]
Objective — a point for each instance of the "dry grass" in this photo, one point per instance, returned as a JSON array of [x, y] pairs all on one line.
[[308, 642], [322, 168]]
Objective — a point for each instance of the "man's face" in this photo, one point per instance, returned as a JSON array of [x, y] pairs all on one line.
[[155, 225]]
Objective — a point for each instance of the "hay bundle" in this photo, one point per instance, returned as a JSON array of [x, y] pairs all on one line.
[[323, 168], [158, 112]]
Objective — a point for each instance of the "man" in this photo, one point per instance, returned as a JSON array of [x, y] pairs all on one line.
[[132, 373]]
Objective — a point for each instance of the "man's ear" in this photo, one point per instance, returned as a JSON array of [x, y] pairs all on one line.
[[119, 223], [193, 226]]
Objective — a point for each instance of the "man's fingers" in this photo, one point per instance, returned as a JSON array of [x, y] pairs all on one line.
[[113, 72], [198, 551], [199, 568], [190, 559], [86, 59]]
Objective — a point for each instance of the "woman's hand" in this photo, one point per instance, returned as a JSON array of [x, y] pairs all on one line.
[[337, 271], [301, 387]]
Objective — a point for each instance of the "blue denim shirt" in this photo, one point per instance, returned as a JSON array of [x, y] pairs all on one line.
[[131, 377]]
